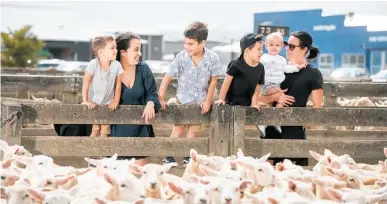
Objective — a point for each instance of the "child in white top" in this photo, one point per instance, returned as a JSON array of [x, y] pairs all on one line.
[[275, 68], [102, 80]]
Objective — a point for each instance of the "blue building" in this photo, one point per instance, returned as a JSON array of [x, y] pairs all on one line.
[[340, 46]]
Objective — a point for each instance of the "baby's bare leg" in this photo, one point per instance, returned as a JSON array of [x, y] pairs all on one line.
[[272, 91]]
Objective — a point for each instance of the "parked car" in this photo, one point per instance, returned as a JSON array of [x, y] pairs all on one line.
[[72, 66], [46, 64], [349, 73], [326, 72], [382, 74], [158, 66]]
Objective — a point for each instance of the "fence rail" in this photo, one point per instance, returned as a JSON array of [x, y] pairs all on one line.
[[312, 134], [227, 125], [190, 114], [86, 146], [73, 84]]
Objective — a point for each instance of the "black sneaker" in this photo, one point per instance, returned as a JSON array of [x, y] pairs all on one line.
[[186, 160], [170, 160]]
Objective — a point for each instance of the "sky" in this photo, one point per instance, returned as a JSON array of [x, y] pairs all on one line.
[[226, 19]]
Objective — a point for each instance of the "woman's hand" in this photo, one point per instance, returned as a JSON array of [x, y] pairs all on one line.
[[149, 112], [286, 100]]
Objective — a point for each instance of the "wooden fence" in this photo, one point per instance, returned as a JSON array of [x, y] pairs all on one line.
[[227, 124], [68, 88]]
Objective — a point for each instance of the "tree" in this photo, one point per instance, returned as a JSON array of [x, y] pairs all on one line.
[[20, 48]]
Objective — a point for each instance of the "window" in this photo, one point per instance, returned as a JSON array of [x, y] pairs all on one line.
[[326, 61], [353, 60]]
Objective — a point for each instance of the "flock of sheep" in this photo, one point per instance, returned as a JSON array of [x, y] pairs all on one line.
[[28, 179]]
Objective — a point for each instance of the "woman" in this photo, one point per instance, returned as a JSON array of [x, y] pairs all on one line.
[[138, 88], [298, 86]]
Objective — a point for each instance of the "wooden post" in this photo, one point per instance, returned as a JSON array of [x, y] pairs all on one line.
[[24, 94], [58, 96], [222, 122], [239, 122], [13, 130], [70, 97], [211, 142], [330, 99]]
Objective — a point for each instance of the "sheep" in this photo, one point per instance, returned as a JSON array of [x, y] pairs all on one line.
[[228, 191], [44, 99], [101, 201], [192, 193], [8, 178], [53, 197], [14, 150], [353, 196], [124, 187], [151, 177], [323, 182], [207, 179], [16, 195]]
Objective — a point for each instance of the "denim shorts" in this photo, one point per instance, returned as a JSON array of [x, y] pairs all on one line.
[[266, 87]]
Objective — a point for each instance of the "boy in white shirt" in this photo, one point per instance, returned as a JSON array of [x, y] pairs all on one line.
[[275, 68], [102, 80]]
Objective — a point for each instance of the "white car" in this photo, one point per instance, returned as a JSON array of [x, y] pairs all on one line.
[[349, 73], [72, 66], [382, 74], [46, 64]]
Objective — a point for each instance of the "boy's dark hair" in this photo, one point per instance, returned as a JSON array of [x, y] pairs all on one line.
[[197, 31], [99, 42]]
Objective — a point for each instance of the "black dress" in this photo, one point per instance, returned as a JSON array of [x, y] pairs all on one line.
[[144, 89]]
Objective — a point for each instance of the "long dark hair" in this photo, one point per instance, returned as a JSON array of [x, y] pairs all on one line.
[[306, 41], [123, 42]]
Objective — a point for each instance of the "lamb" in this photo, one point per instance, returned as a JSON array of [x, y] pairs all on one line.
[[16, 195], [100, 201], [14, 150], [208, 179], [151, 177], [53, 197], [353, 196], [193, 165], [228, 191], [192, 193], [44, 99], [124, 188], [326, 181]]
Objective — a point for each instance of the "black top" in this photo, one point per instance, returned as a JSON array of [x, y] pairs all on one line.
[[300, 85], [245, 79]]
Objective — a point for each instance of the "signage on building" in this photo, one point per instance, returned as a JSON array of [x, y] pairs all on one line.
[[267, 29], [377, 39], [324, 27]]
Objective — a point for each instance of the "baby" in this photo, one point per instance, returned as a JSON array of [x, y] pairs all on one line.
[[102, 80], [275, 68]]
